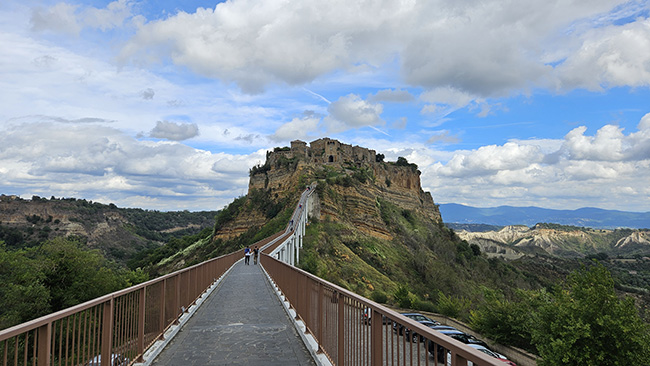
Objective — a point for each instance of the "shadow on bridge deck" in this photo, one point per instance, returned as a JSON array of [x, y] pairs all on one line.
[[241, 323]]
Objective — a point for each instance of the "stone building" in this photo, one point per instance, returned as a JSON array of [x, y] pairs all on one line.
[[330, 151]]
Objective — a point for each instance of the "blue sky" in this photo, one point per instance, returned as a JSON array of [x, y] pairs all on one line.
[[166, 104]]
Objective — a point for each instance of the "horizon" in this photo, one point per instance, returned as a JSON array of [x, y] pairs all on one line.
[[167, 105]]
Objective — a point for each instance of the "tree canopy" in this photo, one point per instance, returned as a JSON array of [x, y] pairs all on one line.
[[581, 322]]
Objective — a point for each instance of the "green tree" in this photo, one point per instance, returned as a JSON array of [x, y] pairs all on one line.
[[74, 275], [23, 294], [503, 320], [403, 297], [586, 323]]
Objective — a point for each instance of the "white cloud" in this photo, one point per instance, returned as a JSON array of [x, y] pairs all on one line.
[[392, 95], [88, 160], [58, 18], [609, 57], [299, 128], [442, 136], [488, 160], [66, 18], [609, 170], [174, 131], [351, 111], [111, 17]]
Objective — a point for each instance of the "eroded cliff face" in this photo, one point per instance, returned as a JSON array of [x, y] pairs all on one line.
[[576, 242], [355, 182]]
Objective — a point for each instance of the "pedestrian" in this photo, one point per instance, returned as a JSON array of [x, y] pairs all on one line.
[[247, 255], [256, 252]]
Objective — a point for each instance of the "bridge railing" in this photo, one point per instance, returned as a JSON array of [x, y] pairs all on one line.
[[352, 330], [115, 329]]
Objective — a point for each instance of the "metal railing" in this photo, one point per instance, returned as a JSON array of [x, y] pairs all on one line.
[[352, 330], [115, 329]]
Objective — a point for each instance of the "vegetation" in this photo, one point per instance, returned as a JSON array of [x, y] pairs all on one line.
[[568, 313], [53, 276], [582, 321], [401, 161]]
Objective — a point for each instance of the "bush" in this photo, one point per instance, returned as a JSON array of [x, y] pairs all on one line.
[[379, 296], [504, 321], [403, 297], [586, 323], [422, 305], [454, 307]]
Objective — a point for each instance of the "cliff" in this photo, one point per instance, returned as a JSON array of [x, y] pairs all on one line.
[[118, 232], [566, 241], [362, 179]]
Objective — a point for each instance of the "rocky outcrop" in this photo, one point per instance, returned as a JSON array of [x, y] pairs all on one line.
[[562, 241], [360, 177], [117, 232]]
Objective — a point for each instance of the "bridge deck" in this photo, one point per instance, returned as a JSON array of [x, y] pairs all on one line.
[[241, 323]]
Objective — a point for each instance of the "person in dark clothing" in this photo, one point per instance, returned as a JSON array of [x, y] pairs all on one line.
[[256, 253]]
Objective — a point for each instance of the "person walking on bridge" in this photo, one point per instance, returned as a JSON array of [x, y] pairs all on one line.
[[247, 255], [256, 253]]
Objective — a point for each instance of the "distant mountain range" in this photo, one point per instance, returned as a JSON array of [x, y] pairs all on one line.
[[508, 215]]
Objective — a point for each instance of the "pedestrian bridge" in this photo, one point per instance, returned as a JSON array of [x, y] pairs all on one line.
[[224, 312]]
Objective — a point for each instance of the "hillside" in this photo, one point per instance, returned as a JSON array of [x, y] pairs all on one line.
[[507, 215], [560, 240], [374, 230], [119, 233]]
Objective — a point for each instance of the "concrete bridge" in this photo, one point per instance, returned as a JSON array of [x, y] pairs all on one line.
[[225, 312]]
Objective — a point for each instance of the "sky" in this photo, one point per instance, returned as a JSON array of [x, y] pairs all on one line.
[[166, 105]]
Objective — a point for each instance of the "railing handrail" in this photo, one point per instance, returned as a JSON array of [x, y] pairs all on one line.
[[35, 323]]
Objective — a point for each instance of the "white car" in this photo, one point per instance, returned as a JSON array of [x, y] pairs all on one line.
[[489, 352], [116, 360]]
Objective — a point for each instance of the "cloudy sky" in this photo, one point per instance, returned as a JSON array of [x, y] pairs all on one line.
[[166, 105]]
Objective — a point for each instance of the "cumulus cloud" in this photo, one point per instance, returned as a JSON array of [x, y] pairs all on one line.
[[90, 161], [608, 169], [174, 131], [392, 95], [351, 111], [486, 49], [59, 18], [300, 128], [71, 19], [147, 94], [612, 56], [443, 136]]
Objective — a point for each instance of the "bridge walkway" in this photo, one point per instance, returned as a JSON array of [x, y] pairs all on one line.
[[241, 323]]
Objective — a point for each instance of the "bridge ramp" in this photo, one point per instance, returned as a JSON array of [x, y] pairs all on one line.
[[241, 323]]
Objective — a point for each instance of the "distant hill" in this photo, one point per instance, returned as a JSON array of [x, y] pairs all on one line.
[[118, 232], [508, 215]]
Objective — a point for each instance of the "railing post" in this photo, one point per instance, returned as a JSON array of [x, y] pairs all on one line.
[[141, 312], [341, 330], [162, 307], [320, 313], [44, 344], [376, 338], [177, 298], [107, 332]]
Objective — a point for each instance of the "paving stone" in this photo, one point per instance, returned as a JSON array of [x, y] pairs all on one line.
[[241, 323]]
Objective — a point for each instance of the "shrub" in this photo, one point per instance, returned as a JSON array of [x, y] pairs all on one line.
[[454, 307], [379, 296], [403, 297]]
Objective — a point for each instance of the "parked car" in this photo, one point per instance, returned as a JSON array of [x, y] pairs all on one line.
[[464, 337], [116, 360], [399, 328], [426, 323], [489, 352], [367, 314], [366, 317]]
